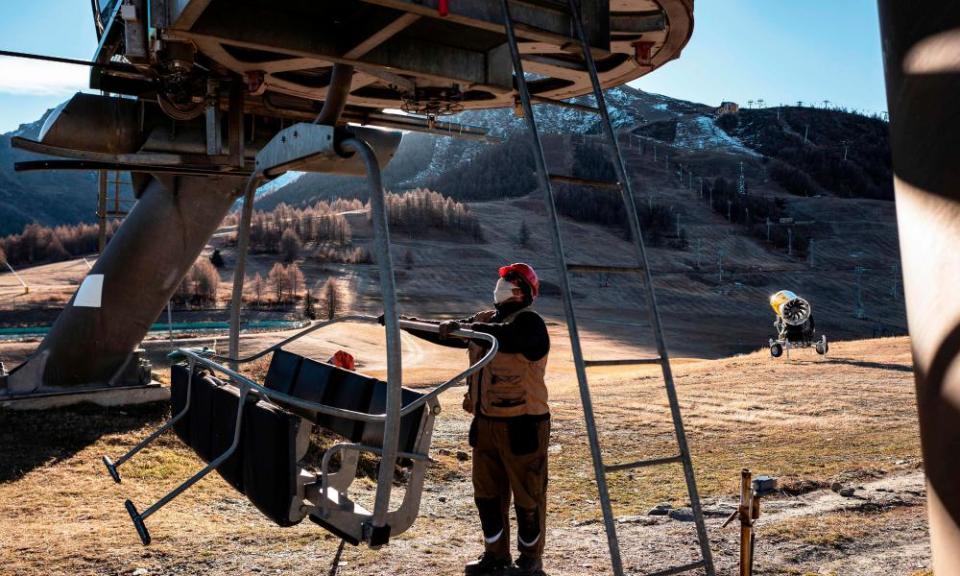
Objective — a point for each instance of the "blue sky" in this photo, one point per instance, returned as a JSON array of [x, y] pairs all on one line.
[[781, 51], [777, 50]]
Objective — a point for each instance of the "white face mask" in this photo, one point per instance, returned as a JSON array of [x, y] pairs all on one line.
[[503, 291]]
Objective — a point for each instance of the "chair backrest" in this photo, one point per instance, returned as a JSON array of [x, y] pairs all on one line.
[[332, 386], [273, 441]]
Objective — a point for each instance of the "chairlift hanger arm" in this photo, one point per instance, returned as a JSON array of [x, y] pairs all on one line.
[[141, 161]]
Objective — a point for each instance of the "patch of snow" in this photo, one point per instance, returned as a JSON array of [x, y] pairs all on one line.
[[660, 106], [278, 183], [701, 133]]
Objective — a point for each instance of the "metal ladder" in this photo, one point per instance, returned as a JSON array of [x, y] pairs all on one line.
[[623, 185]]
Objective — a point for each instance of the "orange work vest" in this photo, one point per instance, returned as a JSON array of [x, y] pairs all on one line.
[[510, 385]]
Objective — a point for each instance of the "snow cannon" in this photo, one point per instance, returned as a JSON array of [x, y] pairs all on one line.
[[793, 309], [794, 324]]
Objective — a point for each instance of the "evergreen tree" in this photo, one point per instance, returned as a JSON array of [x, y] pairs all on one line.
[[217, 259], [523, 240], [309, 308]]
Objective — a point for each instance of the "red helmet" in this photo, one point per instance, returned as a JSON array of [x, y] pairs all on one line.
[[522, 272]]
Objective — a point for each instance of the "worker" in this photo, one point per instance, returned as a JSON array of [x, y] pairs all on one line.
[[510, 431]]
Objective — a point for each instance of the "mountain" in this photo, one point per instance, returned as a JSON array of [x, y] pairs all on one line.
[[426, 160], [47, 197], [806, 151], [818, 151], [734, 207], [802, 151]]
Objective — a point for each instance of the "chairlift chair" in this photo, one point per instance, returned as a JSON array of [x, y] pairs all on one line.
[[256, 434]]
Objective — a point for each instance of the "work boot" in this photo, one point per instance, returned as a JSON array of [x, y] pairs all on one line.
[[527, 566], [488, 564]]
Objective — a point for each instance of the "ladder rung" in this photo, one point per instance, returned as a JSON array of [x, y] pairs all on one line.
[[610, 269], [643, 463], [562, 104], [678, 569], [624, 362], [610, 184]]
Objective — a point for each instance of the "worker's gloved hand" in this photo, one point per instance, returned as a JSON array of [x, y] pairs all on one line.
[[448, 326]]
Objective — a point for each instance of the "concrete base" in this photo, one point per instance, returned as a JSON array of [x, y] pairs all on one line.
[[117, 396]]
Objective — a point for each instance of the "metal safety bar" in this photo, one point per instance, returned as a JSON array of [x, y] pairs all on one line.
[[281, 398], [314, 326], [112, 466], [139, 517]]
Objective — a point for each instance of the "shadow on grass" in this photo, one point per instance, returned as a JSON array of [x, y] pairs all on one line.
[[31, 439], [864, 364], [858, 363]]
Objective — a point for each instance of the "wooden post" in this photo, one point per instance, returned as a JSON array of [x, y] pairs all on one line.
[[746, 523]]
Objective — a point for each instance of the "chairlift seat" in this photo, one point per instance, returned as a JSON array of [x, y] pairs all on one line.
[[274, 441], [275, 436], [274, 427], [265, 465], [208, 429]]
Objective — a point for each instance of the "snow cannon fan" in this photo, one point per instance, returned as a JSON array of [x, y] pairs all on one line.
[[793, 309], [794, 324]]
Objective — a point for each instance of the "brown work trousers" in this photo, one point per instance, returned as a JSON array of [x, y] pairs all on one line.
[[511, 456]]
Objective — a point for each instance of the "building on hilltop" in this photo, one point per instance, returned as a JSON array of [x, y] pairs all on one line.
[[728, 108]]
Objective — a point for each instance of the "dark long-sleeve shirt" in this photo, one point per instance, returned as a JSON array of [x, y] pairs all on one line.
[[526, 334]]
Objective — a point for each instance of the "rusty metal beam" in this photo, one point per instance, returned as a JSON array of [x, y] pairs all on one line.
[[633, 23], [533, 23], [284, 33], [382, 35]]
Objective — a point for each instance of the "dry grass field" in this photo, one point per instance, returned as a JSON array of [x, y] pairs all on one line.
[[846, 421]]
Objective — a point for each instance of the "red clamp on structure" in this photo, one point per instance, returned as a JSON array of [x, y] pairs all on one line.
[[443, 7], [641, 51], [255, 83]]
